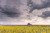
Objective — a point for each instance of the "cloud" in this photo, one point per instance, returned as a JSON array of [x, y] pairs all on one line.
[[11, 12], [45, 14], [32, 4], [28, 11], [1, 23]]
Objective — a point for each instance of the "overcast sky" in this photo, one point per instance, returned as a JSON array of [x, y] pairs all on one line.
[[22, 12]]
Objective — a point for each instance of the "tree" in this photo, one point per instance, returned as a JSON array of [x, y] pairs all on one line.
[[28, 24]]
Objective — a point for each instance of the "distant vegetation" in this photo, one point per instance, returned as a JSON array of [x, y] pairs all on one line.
[[29, 24], [24, 29]]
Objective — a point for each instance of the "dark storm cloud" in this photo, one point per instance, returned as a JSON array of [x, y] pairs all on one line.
[[45, 14], [34, 6], [10, 8], [10, 12]]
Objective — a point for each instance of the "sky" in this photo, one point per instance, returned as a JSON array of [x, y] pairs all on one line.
[[22, 12]]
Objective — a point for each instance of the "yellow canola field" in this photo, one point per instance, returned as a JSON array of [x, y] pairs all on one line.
[[24, 29]]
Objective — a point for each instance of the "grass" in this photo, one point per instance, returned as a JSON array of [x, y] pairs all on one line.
[[24, 29]]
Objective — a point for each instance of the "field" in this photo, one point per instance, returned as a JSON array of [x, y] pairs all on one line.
[[24, 29]]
